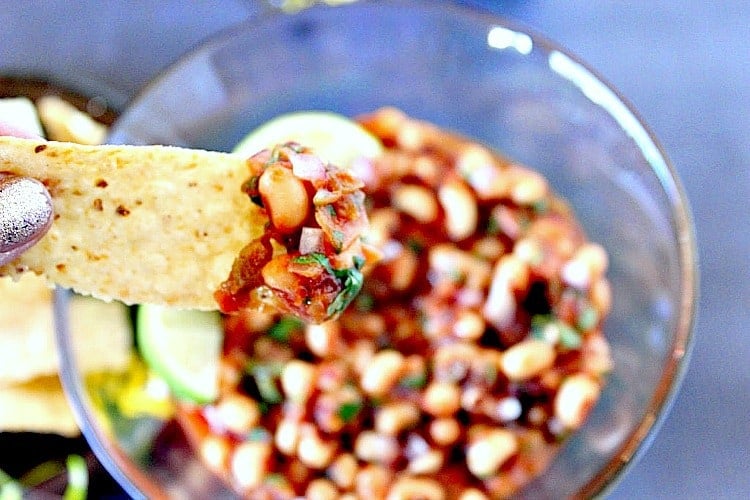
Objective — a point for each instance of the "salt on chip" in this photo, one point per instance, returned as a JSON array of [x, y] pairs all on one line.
[[140, 224]]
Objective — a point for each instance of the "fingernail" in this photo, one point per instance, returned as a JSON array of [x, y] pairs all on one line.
[[25, 212]]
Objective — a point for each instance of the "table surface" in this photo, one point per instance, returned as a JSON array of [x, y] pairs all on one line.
[[683, 65]]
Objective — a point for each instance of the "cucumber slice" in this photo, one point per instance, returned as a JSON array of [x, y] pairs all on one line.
[[183, 347], [333, 137]]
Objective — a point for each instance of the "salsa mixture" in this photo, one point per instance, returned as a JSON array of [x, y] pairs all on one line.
[[307, 262], [473, 349]]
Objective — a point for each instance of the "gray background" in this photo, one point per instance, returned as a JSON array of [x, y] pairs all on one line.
[[683, 64]]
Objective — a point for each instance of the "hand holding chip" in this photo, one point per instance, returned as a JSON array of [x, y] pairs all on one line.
[[25, 207]]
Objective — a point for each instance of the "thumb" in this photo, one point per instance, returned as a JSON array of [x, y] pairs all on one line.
[[25, 215]]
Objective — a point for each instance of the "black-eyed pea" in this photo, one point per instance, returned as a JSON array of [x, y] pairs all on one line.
[[460, 209], [410, 136], [372, 481], [313, 451], [426, 463], [321, 489], [528, 250], [441, 399], [472, 494], [214, 450], [298, 380], [489, 451], [596, 357], [382, 372], [529, 187], [284, 197], [489, 247], [585, 267], [510, 274], [393, 418], [416, 488], [416, 201], [469, 325], [527, 359], [600, 296], [321, 338], [250, 463], [374, 447], [445, 431], [287, 436], [575, 398], [238, 413], [404, 268], [343, 470]]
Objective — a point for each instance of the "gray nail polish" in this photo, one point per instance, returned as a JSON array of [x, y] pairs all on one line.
[[25, 211]]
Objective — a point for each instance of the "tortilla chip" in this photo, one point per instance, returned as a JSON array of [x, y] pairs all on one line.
[[101, 332], [37, 406], [140, 224]]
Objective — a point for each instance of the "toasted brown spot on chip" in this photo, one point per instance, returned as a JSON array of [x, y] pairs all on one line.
[[102, 183], [60, 267], [40, 148], [145, 249]]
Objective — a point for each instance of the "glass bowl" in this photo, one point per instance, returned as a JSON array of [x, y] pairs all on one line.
[[488, 79]]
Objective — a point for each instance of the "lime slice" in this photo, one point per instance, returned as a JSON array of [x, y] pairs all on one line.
[[333, 137], [183, 347]]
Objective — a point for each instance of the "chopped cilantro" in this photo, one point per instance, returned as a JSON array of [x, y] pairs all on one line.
[[351, 279], [364, 302], [265, 375], [284, 328], [587, 318], [315, 258], [569, 337], [349, 410], [352, 282], [493, 227], [415, 245], [416, 381], [258, 435]]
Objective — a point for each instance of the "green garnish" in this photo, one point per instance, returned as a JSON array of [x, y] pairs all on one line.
[[351, 279], [265, 375], [258, 435], [587, 318], [415, 245], [315, 258], [551, 329], [416, 381], [352, 282], [493, 227], [349, 410], [569, 337], [282, 331], [364, 302]]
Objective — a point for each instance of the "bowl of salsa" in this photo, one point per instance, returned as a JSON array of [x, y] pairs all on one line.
[[525, 324]]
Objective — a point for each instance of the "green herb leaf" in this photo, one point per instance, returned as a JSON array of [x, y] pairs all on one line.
[[587, 318], [569, 337], [349, 410], [352, 283], [416, 381], [265, 375], [258, 435], [315, 258], [282, 331]]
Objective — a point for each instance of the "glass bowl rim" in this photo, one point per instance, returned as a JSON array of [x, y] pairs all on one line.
[[137, 484]]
